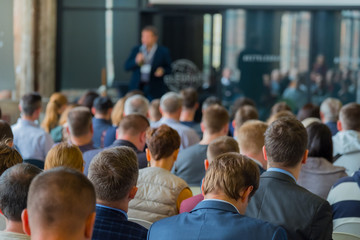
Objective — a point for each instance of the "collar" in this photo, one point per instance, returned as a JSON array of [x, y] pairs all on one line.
[[168, 120], [27, 122], [223, 201], [273, 169], [115, 209]]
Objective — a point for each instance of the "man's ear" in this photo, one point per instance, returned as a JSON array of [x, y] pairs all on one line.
[[133, 192], [68, 130], [322, 117], [304, 158], [339, 125], [25, 222], [175, 154], [20, 108], [148, 156], [206, 164], [89, 225], [93, 110], [244, 196], [233, 124], [202, 187], [202, 127], [264, 153], [161, 111]]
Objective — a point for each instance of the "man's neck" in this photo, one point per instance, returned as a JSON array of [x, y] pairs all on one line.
[[133, 139], [81, 141], [187, 115], [295, 171], [102, 116], [174, 116], [207, 137], [28, 118], [16, 227], [164, 163], [121, 204], [55, 235]]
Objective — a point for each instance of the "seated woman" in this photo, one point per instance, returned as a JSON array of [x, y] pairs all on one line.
[[319, 174], [64, 155], [160, 192]]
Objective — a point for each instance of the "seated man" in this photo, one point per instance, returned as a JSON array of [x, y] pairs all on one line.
[[80, 128], [14, 187], [329, 113], [58, 212], [228, 185], [250, 137], [31, 140], [189, 108], [102, 119], [217, 147], [279, 199], [114, 173], [190, 162]]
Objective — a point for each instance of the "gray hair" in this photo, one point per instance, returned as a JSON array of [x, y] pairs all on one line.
[[136, 104], [330, 108], [171, 102]]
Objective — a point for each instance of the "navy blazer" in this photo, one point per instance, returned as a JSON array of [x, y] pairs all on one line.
[[281, 201], [213, 220], [156, 87], [111, 224]]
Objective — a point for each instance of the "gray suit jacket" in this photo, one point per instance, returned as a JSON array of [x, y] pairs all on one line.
[[280, 201]]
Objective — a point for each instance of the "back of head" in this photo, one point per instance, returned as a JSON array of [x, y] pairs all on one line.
[[29, 103], [102, 104], [162, 141], [212, 100], [8, 157], [154, 110], [64, 155], [190, 97], [220, 145], [330, 108], [281, 114], [250, 136], [320, 141], [87, 100], [6, 135], [113, 173], [349, 117], [56, 103], [280, 106], [215, 118], [133, 125], [171, 102], [79, 120], [285, 142], [136, 104], [244, 114], [14, 188], [307, 111], [231, 173], [60, 201], [240, 102]]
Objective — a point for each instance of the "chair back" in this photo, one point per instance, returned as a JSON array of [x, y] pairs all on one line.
[[349, 227], [35, 162], [344, 236]]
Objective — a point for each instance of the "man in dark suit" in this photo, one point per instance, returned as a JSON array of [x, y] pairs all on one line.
[[279, 199], [229, 183], [149, 63], [114, 174], [131, 133]]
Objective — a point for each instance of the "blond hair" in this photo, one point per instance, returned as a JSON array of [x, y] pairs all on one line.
[[250, 136], [52, 113], [66, 155], [117, 113]]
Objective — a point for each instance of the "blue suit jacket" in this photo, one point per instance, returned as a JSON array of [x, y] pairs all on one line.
[[111, 224], [156, 87], [214, 220]]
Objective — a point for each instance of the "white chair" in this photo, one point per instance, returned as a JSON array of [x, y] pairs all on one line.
[[144, 223], [2, 222], [344, 236], [349, 227], [195, 190]]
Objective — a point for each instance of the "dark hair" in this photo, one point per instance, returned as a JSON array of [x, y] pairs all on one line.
[[307, 111], [14, 188], [151, 29], [244, 114], [215, 118], [280, 106], [133, 124], [240, 102], [190, 97], [320, 141], [8, 157], [102, 104], [29, 103], [350, 116], [87, 100], [212, 100], [6, 134], [285, 142], [162, 141], [79, 120]]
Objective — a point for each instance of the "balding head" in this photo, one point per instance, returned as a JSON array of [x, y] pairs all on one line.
[[171, 102], [136, 104], [61, 202]]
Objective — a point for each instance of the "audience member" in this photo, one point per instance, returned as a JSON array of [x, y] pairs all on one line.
[[250, 137], [58, 212], [87, 100], [131, 133], [31, 140], [303, 214], [229, 183], [170, 108], [8, 157], [347, 141], [14, 187], [154, 111], [344, 198], [280, 106], [238, 103], [6, 135], [329, 113], [55, 107], [308, 111], [190, 162], [160, 192], [65, 155], [281, 114], [189, 107], [243, 114], [318, 174], [114, 173], [101, 121], [60, 133], [80, 128], [217, 147], [209, 101]]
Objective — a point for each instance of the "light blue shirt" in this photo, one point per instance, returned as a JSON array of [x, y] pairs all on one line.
[[272, 169], [115, 209], [31, 140]]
